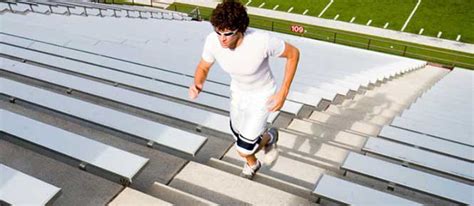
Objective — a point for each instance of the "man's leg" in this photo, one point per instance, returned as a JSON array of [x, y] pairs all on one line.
[[251, 159], [249, 115]]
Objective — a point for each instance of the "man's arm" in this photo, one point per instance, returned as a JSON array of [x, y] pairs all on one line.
[[292, 56], [200, 76]]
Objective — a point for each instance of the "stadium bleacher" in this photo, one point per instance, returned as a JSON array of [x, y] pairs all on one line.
[[89, 91], [14, 184], [99, 155]]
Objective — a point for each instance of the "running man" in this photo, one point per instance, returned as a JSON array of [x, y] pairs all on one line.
[[244, 54]]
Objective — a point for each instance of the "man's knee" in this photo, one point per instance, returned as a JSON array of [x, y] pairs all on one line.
[[247, 147], [244, 155]]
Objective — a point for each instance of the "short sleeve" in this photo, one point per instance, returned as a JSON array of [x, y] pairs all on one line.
[[207, 54], [276, 46]]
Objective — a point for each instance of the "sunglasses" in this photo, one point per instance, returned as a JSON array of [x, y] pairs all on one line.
[[226, 34]]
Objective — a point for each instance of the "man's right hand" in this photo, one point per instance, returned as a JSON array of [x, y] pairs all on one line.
[[194, 90]]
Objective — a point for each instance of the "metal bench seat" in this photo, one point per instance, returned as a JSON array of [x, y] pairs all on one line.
[[21, 189], [410, 178], [153, 132], [349, 193], [88, 151]]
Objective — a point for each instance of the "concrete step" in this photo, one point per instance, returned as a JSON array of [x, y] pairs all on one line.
[[414, 82], [397, 96], [395, 87], [387, 101], [373, 101], [417, 81], [175, 196], [350, 126], [303, 131], [262, 178], [338, 121], [428, 73], [362, 111], [228, 189], [360, 127], [373, 119], [130, 196], [378, 98], [312, 158]]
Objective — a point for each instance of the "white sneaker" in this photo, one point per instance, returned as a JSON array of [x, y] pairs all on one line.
[[271, 151], [250, 171]]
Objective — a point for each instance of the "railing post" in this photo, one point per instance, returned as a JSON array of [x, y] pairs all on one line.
[[405, 50], [335, 35], [273, 25], [368, 44]]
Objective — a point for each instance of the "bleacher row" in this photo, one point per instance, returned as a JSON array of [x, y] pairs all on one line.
[[436, 133], [86, 8], [132, 83]]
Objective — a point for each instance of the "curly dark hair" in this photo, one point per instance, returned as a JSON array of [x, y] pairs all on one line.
[[230, 14]]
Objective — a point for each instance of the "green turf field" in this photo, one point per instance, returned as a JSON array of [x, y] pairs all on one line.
[[452, 17], [299, 6]]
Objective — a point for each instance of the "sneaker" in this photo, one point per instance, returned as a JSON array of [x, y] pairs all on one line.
[[250, 171], [271, 151]]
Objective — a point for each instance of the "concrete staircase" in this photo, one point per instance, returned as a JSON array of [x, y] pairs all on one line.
[[308, 148], [319, 144]]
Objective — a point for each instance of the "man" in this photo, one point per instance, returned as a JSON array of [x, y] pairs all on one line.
[[244, 54]]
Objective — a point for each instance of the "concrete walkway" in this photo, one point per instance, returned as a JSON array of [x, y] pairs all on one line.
[[350, 27]]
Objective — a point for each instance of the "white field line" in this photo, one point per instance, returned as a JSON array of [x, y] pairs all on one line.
[[386, 25], [325, 8], [411, 15], [276, 7], [421, 31], [459, 37], [369, 22], [261, 5], [250, 1], [305, 11], [291, 9], [336, 17], [353, 18], [439, 34]]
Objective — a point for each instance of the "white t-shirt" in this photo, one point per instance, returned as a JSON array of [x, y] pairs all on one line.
[[247, 64]]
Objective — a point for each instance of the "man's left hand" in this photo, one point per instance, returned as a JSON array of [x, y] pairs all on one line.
[[276, 101]]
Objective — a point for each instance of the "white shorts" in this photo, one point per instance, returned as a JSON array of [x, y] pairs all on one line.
[[248, 118]]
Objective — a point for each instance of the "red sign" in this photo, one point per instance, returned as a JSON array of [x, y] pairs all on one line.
[[297, 29]]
